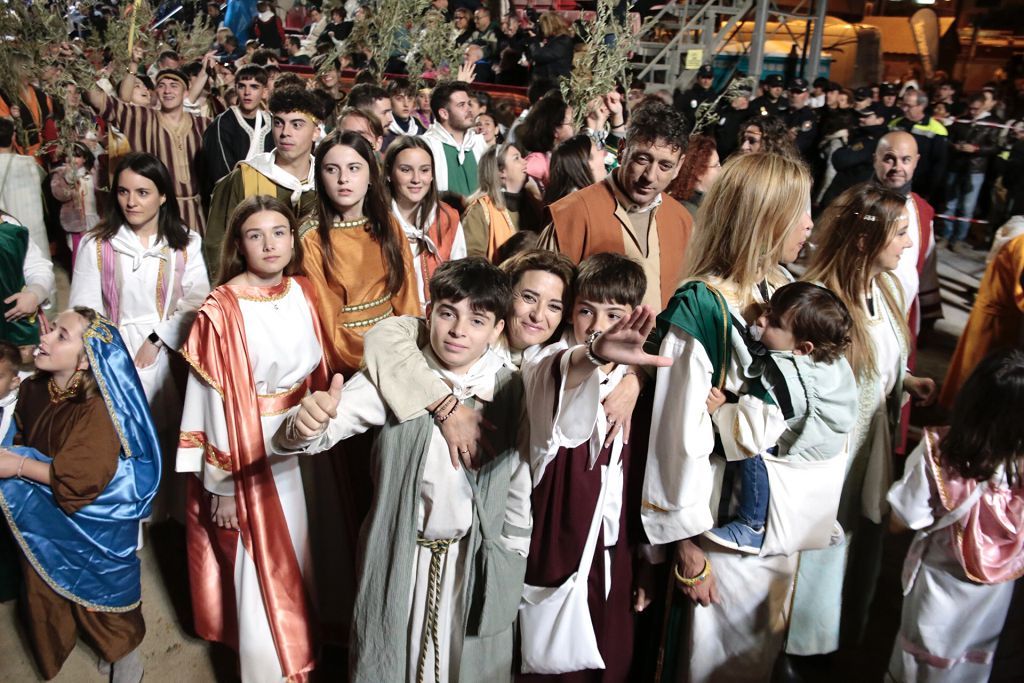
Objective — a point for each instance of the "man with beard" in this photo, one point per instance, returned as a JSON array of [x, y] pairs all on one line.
[[896, 159], [286, 172], [628, 212], [453, 142], [241, 132]]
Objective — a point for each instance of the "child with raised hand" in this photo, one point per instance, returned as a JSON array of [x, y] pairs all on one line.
[[585, 536], [85, 471], [963, 494], [808, 404], [443, 550]]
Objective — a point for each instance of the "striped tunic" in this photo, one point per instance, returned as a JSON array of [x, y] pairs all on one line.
[[176, 144]]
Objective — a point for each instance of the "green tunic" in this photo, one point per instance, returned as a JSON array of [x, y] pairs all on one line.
[[494, 574], [462, 178], [13, 248]]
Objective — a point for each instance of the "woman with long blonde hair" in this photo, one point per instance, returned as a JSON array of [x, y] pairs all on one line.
[[860, 238], [755, 216]]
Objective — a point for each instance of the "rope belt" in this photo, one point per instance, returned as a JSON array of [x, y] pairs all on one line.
[[438, 552]]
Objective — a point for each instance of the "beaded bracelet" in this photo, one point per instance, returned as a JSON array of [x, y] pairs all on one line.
[[591, 356], [455, 406], [443, 405], [696, 580]]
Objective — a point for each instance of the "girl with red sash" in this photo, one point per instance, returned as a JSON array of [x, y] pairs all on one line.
[[249, 560]]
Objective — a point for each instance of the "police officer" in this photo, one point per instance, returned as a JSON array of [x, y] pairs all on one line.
[[689, 102], [854, 161], [862, 98], [888, 92], [771, 102], [731, 115], [800, 119]]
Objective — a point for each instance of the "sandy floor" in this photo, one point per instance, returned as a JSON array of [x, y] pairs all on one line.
[[175, 656]]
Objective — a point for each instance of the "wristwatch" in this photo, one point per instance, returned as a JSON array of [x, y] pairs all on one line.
[[155, 339]]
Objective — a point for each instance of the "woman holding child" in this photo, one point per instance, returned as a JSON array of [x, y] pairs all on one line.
[[249, 556], [754, 217]]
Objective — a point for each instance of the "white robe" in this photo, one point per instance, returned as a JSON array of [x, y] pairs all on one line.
[[738, 639], [950, 625], [279, 363], [445, 509], [139, 268]]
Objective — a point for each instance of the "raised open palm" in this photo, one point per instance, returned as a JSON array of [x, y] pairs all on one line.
[[623, 342]]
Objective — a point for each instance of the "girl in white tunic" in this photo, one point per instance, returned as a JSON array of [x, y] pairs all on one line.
[[142, 269], [862, 237], [247, 528], [963, 494], [432, 227], [754, 217]]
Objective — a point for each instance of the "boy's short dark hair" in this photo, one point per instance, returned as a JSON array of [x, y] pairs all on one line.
[[815, 315], [611, 278], [252, 72], [288, 80], [486, 286], [442, 94], [10, 353], [401, 86], [289, 99], [263, 56], [365, 95]]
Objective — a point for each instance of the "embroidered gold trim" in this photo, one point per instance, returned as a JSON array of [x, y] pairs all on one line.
[[348, 225], [211, 454], [369, 321], [272, 297], [161, 273], [355, 308], [45, 576], [100, 329], [194, 364]]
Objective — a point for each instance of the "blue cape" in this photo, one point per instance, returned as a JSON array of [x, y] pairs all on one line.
[[89, 557]]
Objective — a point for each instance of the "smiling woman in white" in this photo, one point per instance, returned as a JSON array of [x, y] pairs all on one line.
[[142, 269]]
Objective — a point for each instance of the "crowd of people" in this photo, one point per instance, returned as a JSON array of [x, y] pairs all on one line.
[[483, 395]]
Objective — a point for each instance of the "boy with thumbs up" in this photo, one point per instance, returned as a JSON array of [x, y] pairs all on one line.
[[443, 551]]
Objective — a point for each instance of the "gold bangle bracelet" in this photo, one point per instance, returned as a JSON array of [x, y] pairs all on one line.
[[695, 581]]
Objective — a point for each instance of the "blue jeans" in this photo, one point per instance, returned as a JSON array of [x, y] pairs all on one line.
[[753, 496], [962, 190]]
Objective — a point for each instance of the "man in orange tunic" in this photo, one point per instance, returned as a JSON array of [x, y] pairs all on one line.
[[628, 213]]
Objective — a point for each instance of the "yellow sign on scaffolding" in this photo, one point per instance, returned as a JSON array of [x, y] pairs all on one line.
[[694, 59]]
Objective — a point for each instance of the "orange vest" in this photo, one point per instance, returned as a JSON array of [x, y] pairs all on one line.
[[585, 224]]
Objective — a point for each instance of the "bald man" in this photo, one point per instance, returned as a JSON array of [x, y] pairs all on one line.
[[895, 162]]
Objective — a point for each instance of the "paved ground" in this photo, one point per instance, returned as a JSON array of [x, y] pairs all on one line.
[[175, 656]]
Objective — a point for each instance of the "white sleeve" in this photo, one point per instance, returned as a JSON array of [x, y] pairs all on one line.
[[678, 482], [203, 444], [195, 285], [515, 534], [459, 245], [910, 497], [558, 417], [38, 271], [749, 427], [86, 288], [361, 408]]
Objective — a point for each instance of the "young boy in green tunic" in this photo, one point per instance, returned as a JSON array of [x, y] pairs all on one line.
[[443, 552]]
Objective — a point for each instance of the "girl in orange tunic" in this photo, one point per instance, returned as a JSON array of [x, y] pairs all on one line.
[[360, 264]]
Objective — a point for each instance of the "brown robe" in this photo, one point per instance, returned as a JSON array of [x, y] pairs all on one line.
[[80, 437], [563, 503]]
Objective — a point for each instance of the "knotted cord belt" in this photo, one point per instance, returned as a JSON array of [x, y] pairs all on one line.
[[438, 551]]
